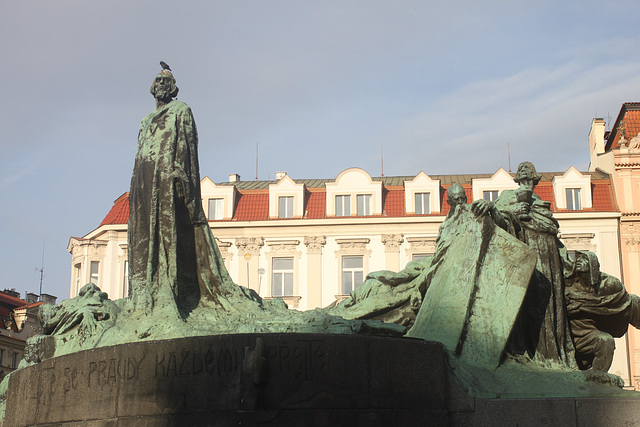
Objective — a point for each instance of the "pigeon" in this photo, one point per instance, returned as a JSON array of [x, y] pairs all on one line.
[[165, 66]]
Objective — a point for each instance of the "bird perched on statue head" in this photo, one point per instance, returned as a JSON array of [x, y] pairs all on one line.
[[165, 66]]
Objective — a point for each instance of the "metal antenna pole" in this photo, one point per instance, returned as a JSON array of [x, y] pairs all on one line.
[[41, 270]]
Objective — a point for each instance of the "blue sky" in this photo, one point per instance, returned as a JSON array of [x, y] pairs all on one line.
[[442, 86]]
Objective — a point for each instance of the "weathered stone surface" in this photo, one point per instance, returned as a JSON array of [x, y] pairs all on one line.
[[476, 290], [288, 379], [270, 377]]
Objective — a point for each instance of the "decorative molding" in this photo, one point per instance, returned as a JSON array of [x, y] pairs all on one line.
[[224, 249], [352, 244], [392, 242], [249, 245], [578, 241], [630, 233], [421, 245], [314, 244], [283, 247]]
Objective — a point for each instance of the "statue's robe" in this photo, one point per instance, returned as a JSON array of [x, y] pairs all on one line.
[[174, 260], [542, 329]]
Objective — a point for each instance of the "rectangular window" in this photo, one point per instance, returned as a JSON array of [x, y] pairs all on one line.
[[285, 207], [364, 204], [343, 205], [14, 360], [216, 209], [282, 279], [574, 201], [422, 203], [95, 269], [1, 357], [78, 273], [416, 257], [490, 196], [352, 273]]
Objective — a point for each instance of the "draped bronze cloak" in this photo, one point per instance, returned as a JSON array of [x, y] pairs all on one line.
[[174, 260]]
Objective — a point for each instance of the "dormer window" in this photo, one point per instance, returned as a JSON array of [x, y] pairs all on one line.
[[363, 204], [423, 205], [490, 195], [574, 199], [572, 190], [285, 207], [286, 198], [343, 205], [353, 193], [216, 209]]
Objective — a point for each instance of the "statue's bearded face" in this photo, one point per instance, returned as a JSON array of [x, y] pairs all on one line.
[[163, 86], [456, 196]]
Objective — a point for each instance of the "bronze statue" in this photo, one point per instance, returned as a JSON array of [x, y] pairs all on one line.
[[542, 329], [599, 309], [173, 258]]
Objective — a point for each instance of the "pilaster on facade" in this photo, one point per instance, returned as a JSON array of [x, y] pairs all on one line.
[[248, 272], [249, 245], [392, 244], [224, 247], [315, 244]]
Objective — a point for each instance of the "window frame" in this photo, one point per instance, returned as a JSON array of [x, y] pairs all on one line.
[[96, 274], [289, 205], [425, 199], [365, 205], [284, 274], [493, 195], [352, 272], [345, 204], [575, 196], [218, 209]]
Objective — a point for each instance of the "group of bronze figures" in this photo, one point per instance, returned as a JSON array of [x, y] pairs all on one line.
[[571, 311]]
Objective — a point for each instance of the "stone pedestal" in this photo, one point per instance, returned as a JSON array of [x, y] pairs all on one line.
[[277, 379]]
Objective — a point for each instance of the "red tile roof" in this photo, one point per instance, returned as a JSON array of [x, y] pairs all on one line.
[[394, 202], [629, 118], [33, 304], [253, 204], [316, 205], [119, 213], [11, 300]]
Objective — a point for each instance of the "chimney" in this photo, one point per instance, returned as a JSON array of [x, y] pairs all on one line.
[[234, 177], [30, 297], [49, 299], [280, 175], [12, 292]]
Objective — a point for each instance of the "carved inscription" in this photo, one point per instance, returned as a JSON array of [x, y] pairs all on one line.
[[221, 362], [111, 370], [300, 361]]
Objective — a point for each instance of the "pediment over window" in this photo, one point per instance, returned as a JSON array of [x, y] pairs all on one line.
[[422, 195], [286, 199], [355, 193], [572, 190], [501, 180], [218, 201]]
